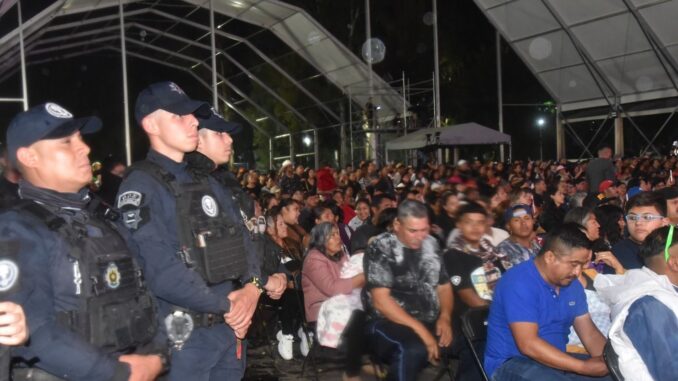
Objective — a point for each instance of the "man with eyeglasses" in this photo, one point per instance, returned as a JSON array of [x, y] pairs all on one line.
[[645, 212], [645, 310]]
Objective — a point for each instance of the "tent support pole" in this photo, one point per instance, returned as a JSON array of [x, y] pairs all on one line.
[[350, 124], [125, 95], [500, 99], [270, 153], [24, 81], [213, 45], [560, 136]]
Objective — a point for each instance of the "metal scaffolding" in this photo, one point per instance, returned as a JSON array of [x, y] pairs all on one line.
[[198, 37]]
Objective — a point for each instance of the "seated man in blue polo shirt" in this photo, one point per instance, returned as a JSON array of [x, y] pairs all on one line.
[[535, 303]]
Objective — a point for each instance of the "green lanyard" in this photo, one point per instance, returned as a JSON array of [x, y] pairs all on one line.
[[669, 241]]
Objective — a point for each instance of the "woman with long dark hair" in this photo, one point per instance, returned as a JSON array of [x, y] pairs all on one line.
[[554, 208], [277, 256], [612, 223]]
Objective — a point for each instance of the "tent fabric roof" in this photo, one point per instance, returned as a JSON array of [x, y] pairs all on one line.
[[593, 53], [456, 135], [177, 34]]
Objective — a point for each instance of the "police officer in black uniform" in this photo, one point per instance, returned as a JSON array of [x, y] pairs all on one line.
[[196, 252], [12, 321], [13, 329], [215, 148], [91, 316]]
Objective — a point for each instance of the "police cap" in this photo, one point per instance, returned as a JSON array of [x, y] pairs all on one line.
[[46, 121], [170, 97]]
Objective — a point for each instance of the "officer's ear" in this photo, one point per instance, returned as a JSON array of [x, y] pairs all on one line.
[[202, 135], [26, 157], [150, 125]]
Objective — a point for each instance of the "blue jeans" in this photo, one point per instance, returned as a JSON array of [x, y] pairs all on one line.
[[399, 347], [524, 369]]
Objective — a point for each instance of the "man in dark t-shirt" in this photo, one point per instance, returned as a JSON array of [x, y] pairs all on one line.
[[474, 269], [407, 295]]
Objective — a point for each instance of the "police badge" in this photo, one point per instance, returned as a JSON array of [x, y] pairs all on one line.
[[112, 276]]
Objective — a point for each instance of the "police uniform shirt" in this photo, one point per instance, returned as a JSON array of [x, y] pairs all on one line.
[[149, 211]]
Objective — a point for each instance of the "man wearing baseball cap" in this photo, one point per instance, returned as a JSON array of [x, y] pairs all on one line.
[[607, 189], [87, 307], [193, 245]]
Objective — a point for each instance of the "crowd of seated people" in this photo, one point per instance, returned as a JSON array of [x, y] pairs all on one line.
[[395, 255], [484, 221]]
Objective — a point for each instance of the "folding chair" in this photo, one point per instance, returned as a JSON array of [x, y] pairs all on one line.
[[612, 361], [474, 327]]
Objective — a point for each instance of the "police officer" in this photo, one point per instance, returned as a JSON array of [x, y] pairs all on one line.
[[13, 329], [90, 315], [194, 249], [214, 151]]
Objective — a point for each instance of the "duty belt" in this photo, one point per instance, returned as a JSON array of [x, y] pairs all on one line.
[[33, 374], [180, 325], [206, 320]]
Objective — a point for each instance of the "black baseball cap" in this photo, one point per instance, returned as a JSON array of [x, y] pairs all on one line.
[[216, 122], [43, 122], [170, 97]]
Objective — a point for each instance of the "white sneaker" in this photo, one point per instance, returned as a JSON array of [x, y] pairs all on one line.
[[285, 348], [305, 344]]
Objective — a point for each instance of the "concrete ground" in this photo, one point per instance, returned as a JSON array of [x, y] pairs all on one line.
[[264, 364]]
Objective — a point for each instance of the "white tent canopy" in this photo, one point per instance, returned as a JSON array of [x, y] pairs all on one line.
[[593, 53], [456, 135]]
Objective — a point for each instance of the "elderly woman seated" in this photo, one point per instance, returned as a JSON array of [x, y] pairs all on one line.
[[321, 280]]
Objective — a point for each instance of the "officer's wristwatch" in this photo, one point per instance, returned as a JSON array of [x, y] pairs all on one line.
[[257, 283]]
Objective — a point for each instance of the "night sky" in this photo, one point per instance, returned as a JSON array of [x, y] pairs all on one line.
[[93, 84]]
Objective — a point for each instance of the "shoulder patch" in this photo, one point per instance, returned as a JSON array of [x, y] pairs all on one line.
[[131, 218], [131, 198]]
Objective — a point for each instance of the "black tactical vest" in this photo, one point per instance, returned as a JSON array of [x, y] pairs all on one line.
[[116, 311], [210, 239]]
